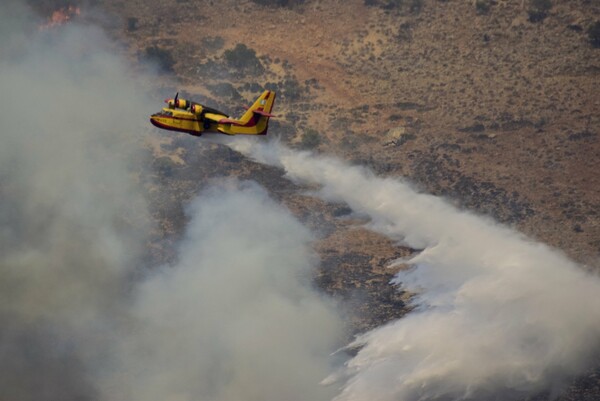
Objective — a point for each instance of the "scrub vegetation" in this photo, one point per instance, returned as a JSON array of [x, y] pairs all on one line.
[[280, 3], [594, 34], [538, 10], [310, 139], [162, 58], [243, 60]]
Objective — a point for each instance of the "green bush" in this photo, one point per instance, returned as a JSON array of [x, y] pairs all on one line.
[[392, 4], [291, 89], [225, 90], [213, 43], [132, 24], [243, 59], [310, 139], [482, 6], [594, 34], [538, 10], [416, 6], [279, 3], [164, 166], [541, 5], [402, 6], [404, 138], [161, 57]]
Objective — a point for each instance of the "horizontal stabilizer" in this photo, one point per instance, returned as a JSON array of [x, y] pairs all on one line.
[[262, 113], [229, 121]]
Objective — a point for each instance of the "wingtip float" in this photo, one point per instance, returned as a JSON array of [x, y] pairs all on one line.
[[196, 119]]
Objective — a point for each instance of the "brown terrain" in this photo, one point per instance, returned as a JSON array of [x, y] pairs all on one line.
[[483, 106], [470, 100]]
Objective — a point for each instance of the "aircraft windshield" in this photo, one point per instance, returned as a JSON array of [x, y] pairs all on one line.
[[164, 113]]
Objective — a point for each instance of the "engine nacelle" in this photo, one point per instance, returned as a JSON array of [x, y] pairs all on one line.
[[178, 103], [196, 109]]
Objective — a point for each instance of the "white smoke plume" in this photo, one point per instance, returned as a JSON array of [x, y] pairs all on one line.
[[72, 218], [236, 318], [500, 316], [80, 316]]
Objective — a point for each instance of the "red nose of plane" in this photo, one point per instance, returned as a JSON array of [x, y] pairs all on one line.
[[154, 122]]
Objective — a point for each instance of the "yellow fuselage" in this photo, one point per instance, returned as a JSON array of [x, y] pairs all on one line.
[[183, 121], [193, 118]]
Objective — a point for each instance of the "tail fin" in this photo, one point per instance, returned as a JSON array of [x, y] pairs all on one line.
[[262, 106], [255, 121]]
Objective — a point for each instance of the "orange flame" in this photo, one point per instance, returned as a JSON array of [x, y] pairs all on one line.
[[61, 17]]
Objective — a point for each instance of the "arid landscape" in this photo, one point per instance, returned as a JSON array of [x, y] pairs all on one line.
[[474, 103], [493, 105], [484, 107]]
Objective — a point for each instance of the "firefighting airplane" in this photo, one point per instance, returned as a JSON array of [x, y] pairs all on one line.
[[195, 119]]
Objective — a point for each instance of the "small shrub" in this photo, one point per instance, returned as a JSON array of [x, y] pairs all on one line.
[[161, 57], [212, 70], [213, 43], [538, 10], [279, 3], [291, 89], [252, 87], [243, 59], [594, 34], [392, 4], [132, 24], [225, 90], [405, 32], [541, 5], [310, 139], [473, 128], [482, 6], [164, 166], [536, 16], [416, 6], [272, 86], [404, 138]]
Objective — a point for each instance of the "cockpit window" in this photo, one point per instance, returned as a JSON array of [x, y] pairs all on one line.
[[167, 113]]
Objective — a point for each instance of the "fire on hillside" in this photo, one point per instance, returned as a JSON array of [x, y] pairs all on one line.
[[61, 17]]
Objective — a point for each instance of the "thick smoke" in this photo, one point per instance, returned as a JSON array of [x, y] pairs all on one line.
[[499, 315], [80, 316], [236, 318], [72, 220]]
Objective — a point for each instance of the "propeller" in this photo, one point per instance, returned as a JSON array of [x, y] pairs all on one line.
[[174, 100]]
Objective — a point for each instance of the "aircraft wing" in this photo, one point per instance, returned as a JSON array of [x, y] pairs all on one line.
[[221, 119], [226, 120], [214, 117]]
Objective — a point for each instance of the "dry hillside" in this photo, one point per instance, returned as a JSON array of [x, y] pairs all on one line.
[[470, 100]]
